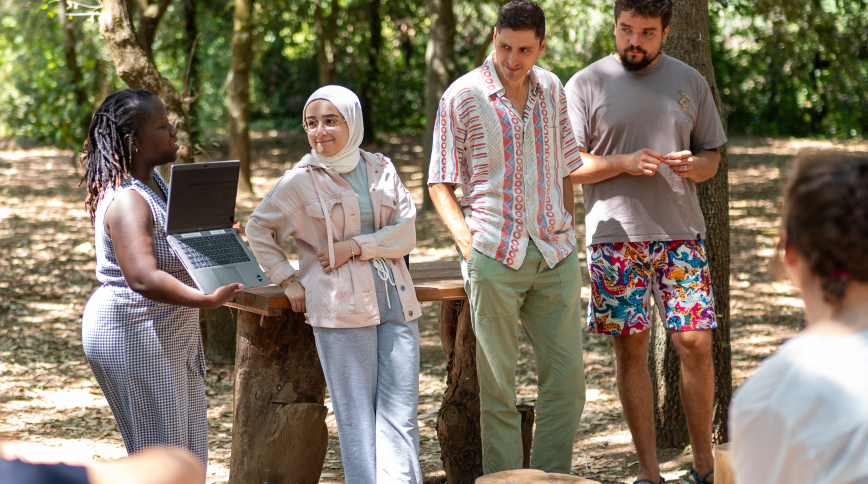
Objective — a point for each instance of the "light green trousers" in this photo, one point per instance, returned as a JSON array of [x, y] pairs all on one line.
[[547, 300]]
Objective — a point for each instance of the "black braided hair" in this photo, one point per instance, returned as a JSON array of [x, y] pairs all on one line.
[[105, 158], [826, 218]]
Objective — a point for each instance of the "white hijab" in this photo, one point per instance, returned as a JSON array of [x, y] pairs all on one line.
[[347, 103]]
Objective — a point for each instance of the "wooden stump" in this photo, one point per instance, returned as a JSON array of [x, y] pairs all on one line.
[[458, 425], [527, 418], [458, 428], [532, 476], [279, 433], [723, 465]]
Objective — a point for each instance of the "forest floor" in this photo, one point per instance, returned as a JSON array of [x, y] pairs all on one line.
[[49, 396]]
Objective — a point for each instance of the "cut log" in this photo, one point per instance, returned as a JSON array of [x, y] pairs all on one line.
[[531, 476], [458, 428], [527, 418], [458, 422], [279, 435], [723, 465]]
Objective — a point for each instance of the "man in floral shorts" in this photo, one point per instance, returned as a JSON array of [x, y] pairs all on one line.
[[648, 130]]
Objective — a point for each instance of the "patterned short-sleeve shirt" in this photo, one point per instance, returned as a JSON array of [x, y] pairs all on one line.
[[510, 167]]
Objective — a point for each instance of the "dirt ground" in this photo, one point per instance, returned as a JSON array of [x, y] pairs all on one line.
[[48, 395]]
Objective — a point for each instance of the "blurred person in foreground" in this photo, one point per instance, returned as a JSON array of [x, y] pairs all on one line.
[[802, 417], [25, 463]]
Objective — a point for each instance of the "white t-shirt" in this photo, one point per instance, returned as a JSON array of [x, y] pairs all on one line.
[[803, 416]]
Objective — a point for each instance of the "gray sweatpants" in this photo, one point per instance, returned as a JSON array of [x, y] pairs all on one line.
[[372, 375]]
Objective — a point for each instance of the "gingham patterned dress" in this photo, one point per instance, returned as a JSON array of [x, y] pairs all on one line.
[[146, 356]]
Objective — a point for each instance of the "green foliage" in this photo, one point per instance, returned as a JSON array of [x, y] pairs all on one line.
[[794, 67], [37, 99], [783, 67]]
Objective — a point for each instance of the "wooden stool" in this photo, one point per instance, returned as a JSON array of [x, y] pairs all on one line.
[[531, 476], [723, 465]]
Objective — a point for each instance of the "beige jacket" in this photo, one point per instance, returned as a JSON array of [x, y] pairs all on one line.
[[316, 207]]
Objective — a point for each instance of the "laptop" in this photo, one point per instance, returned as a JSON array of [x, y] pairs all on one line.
[[199, 226]]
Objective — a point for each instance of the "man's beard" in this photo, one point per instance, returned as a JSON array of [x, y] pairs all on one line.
[[636, 66]]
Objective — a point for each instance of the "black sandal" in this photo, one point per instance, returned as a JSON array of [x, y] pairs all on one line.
[[696, 476], [662, 480]]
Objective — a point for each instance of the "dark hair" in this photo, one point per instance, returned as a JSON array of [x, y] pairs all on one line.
[[826, 217], [105, 158], [522, 15], [661, 9]]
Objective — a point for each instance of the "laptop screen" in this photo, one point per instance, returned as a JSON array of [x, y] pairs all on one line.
[[202, 196]]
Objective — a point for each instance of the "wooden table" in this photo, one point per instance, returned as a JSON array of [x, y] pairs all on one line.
[[279, 432]]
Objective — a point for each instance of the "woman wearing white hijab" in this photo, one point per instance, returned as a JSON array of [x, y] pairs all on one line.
[[353, 221]]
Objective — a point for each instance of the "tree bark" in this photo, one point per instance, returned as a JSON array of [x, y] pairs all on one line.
[[689, 41], [191, 77], [149, 16], [458, 428], [440, 71], [370, 77], [279, 434], [326, 33], [220, 328], [81, 98], [238, 92], [139, 72]]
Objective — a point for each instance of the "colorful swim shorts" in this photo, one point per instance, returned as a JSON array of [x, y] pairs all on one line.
[[625, 275]]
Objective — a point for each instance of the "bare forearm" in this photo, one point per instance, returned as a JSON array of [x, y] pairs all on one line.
[[705, 165], [595, 168], [446, 204], [162, 287], [570, 198]]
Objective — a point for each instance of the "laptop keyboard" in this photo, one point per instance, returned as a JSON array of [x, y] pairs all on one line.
[[213, 250]]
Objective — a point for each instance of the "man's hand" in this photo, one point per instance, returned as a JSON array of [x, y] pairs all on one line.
[[342, 254], [644, 162], [681, 163]]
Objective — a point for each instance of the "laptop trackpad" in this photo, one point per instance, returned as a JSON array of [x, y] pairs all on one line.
[[227, 275]]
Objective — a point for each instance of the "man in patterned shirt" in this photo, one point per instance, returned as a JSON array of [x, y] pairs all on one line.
[[503, 135]]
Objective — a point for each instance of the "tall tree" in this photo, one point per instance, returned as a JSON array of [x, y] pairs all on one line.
[[440, 71], [326, 32], [689, 41], [80, 90], [136, 68], [191, 78], [149, 16], [238, 92], [371, 74]]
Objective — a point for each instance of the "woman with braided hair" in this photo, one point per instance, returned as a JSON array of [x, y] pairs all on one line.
[[802, 417], [140, 329]]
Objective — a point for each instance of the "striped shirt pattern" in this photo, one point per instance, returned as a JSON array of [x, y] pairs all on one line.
[[509, 167]]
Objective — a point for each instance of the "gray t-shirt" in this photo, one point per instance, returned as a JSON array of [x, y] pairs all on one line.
[[358, 180], [665, 107]]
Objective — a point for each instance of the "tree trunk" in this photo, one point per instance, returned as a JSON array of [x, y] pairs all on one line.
[[458, 428], [440, 71], [138, 71], [149, 17], [238, 92], [220, 328], [79, 89], [369, 77], [689, 41], [191, 78], [325, 41], [483, 50], [279, 434]]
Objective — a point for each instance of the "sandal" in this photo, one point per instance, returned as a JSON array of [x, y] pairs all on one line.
[[662, 480], [696, 477]]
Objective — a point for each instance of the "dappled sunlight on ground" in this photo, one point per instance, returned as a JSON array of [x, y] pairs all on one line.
[[48, 394]]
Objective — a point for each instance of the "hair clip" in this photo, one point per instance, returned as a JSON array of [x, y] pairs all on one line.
[[841, 274]]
